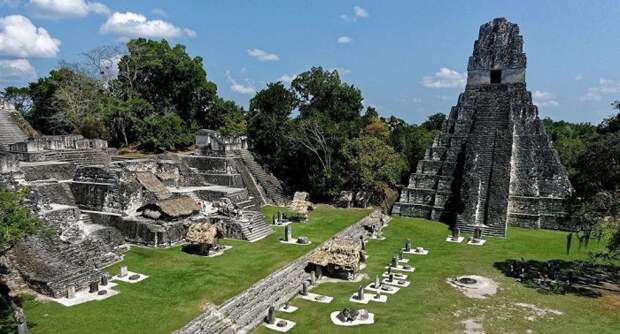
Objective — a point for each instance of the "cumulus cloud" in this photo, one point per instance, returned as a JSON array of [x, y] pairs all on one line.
[[57, 9], [360, 12], [344, 40], [245, 89], [16, 72], [544, 99], [129, 25], [262, 55], [445, 78], [605, 87], [20, 38], [287, 78]]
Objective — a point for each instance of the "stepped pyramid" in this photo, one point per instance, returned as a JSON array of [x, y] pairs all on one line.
[[492, 165], [10, 132]]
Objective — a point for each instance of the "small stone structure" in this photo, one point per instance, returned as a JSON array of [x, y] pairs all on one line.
[[339, 258], [300, 203], [493, 165]]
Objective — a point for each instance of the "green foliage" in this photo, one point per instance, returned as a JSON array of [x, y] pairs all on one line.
[[167, 77], [16, 221], [18, 97], [373, 163], [434, 122], [165, 133], [269, 123]]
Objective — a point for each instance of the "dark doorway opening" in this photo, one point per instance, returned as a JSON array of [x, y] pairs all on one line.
[[496, 76]]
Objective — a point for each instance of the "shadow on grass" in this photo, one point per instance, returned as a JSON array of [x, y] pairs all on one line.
[[562, 277]]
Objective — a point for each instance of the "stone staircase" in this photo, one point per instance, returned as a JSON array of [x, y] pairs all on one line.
[[270, 185], [256, 228], [10, 132]]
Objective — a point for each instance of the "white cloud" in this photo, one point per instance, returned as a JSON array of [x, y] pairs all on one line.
[[16, 72], [129, 25], [344, 40], [360, 12], [445, 78], [605, 87], [247, 89], [262, 55], [20, 38], [159, 12], [287, 78], [57, 9], [544, 99]]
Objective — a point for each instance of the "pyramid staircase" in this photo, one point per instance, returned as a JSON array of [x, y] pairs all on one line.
[[10, 132], [271, 186]]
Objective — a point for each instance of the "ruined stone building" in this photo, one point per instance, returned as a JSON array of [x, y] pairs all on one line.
[[492, 166], [94, 204]]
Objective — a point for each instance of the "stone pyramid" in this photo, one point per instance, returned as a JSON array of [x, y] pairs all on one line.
[[492, 166]]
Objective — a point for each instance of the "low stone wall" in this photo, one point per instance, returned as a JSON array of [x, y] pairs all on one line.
[[248, 309]]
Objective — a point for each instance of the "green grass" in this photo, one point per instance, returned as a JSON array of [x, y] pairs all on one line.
[[180, 283], [430, 305]]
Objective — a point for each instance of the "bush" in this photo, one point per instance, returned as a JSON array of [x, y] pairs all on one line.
[[165, 132]]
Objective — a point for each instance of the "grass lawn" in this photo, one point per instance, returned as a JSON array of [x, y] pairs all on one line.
[[180, 283], [430, 305]]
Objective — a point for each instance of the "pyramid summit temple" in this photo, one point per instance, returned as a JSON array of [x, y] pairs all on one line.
[[492, 165]]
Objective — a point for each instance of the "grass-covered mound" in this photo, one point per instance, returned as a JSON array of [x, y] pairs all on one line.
[[430, 305]]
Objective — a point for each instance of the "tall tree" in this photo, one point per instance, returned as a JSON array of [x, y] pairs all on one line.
[[269, 123], [16, 221], [168, 78]]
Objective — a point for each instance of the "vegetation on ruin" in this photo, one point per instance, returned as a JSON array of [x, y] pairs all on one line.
[[180, 283], [16, 220], [430, 305]]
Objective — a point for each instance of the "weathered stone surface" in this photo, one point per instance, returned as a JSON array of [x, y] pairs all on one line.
[[492, 165]]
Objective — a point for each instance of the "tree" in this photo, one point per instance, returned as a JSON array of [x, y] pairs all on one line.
[[322, 92], [268, 123], [598, 168], [373, 163], [168, 78], [19, 97], [434, 122], [165, 133], [16, 221]]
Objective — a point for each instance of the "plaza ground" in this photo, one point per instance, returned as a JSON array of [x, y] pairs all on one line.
[[180, 283], [430, 305]]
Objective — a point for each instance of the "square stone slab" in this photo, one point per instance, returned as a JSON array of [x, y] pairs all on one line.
[[294, 242], [334, 317], [314, 297], [481, 243], [83, 296], [129, 274], [289, 309], [414, 252], [457, 241], [274, 326], [393, 289], [401, 268], [396, 275], [396, 282]]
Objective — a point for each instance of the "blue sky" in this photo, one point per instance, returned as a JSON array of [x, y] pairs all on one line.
[[407, 57]]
